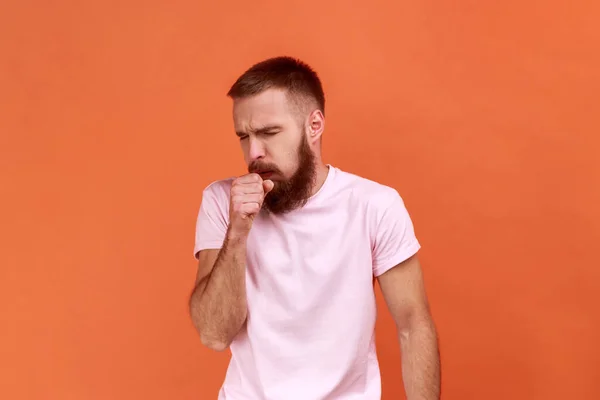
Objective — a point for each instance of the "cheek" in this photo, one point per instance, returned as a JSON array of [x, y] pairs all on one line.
[[289, 166], [283, 151]]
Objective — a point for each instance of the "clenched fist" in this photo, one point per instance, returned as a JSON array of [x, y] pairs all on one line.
[[246, 198]]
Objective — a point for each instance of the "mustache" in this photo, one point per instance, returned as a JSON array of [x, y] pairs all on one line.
[[258, 167]]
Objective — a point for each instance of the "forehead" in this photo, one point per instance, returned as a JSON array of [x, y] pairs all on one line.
[[269, 107]]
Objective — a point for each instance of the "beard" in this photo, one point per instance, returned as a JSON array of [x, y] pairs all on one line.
[[293, 193]]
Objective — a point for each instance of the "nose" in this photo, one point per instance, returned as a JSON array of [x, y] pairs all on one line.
[[256, 149]]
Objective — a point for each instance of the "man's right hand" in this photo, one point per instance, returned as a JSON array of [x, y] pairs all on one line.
[[246, 198]]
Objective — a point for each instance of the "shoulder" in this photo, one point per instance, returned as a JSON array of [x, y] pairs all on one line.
[[370, 193], [219, 188], [215, 196]]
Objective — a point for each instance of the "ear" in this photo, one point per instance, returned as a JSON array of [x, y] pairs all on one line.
[[315, 126]]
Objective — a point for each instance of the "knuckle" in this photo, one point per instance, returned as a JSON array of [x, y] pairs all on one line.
[[251, 208], [255, 177]]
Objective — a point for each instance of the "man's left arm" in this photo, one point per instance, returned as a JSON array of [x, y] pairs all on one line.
[[397, 268], [404, 293]]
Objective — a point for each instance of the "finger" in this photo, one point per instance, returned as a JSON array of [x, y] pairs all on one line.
[[240, 189], [248, 198], [268, 186], [250, 178]]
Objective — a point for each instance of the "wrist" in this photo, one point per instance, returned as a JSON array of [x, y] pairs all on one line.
[[234, 236]]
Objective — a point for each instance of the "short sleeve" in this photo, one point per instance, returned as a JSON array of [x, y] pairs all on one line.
[[213, 218], [394, 238]]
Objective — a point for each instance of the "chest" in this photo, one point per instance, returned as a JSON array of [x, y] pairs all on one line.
[[304, 262]]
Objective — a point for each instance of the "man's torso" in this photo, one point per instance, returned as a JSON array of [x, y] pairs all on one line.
[[311, 307]]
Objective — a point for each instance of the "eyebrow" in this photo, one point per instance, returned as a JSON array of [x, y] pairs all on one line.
[[264, 129]]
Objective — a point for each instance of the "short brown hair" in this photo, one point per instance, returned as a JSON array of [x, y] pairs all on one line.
[[288, 73]]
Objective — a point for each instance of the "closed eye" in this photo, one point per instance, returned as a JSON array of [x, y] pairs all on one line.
[[266, 131]]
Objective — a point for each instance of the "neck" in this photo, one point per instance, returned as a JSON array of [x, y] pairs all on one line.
[[322, 171]]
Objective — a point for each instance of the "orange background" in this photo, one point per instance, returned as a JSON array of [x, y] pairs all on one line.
[[113, 118]]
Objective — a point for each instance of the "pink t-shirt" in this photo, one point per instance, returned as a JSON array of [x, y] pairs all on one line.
[[311, 305]]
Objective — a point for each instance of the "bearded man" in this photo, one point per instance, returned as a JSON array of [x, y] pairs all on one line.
[[288, 255]]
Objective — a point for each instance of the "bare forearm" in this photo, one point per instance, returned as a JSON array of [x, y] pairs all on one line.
[[218, 303], [420, 360]]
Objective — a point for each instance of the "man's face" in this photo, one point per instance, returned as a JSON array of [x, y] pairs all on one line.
[[273, 139]]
